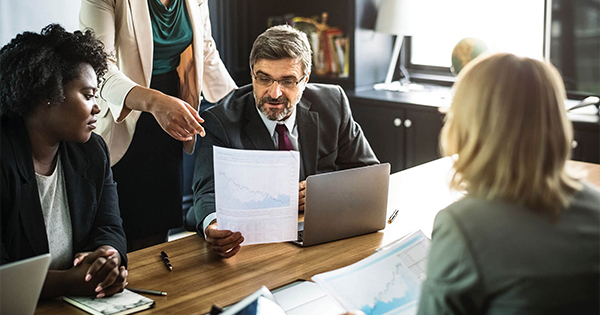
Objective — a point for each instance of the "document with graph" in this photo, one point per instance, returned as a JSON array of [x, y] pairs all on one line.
[[256, 193], [387, 282]]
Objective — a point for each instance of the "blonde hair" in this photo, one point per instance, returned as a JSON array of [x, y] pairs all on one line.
[[509, 128]]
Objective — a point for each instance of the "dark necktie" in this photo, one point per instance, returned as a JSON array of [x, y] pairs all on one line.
[[284, 142]]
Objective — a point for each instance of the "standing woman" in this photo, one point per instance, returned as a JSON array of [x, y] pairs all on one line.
[[526, 237], [57, 191], [162, 56]]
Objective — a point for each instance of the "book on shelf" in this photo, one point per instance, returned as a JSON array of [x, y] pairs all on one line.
[[342, 49], [331, 59], [330, 49], [123, 303], [312, 30]]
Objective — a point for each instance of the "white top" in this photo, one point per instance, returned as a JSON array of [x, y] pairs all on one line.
[[57, 218]]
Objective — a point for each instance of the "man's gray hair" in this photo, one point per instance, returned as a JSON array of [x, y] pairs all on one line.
[[280, 42]]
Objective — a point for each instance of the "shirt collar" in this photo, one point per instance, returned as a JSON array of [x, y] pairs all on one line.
[[271, 124]]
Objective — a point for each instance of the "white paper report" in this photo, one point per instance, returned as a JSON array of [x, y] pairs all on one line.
[[256, 193], [389, 280]]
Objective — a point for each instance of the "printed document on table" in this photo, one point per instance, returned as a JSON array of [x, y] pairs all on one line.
[[387, 282], [256, 193]]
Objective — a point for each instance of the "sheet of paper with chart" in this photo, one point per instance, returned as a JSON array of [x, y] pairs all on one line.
[[256, 193], [387, 282]]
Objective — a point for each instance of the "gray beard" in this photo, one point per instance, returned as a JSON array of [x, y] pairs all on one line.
[[274, 115]]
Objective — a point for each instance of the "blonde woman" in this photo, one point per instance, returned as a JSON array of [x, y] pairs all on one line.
[[525, 239]]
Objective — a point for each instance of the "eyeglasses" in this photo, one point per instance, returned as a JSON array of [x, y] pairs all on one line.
[[284, 83]]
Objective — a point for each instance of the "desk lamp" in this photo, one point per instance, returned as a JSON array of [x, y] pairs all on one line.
[[393, 18]]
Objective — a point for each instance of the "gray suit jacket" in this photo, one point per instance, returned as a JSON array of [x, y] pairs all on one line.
[[329, 137], [497, 258]]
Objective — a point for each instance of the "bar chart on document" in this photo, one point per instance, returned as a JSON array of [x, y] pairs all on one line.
[[256, 193], [389, 280]]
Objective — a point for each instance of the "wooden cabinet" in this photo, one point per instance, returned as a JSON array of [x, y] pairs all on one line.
[[384, 130], [422, 130], [402, 134], [586, 141]]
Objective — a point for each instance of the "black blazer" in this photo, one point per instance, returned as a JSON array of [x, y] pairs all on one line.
[[329, 137], [91, 194]]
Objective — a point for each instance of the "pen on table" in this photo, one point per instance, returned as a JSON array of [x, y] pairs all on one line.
[[166, 260], [393, 216], [147, 291], [215, 310]]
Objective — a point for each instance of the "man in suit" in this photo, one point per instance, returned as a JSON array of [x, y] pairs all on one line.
[[279, 110]]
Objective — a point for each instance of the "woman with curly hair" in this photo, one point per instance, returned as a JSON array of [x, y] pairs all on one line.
[[57, 191], [526, 237]]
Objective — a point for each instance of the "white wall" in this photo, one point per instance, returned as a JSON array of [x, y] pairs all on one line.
[[17, 16]]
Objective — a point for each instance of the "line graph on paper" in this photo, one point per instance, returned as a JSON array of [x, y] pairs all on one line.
[[250, 180], [240, 196], [389, 282], [400, 293], [256, 193]]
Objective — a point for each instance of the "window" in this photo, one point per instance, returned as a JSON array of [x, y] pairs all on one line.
[[565, 31], [515, 26]]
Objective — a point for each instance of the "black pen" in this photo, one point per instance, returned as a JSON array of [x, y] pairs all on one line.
[[393, 216], [166, 260], [147, 291], [215, 310]]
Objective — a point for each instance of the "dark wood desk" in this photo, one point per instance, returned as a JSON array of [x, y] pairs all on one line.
[[199, 278]]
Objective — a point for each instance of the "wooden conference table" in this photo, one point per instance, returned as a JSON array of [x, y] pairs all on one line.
[[200, 278]]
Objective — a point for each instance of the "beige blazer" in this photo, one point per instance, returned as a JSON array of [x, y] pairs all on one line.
[[125, 29]]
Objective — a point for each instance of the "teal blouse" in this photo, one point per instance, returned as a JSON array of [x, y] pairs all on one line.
[[172, 33]]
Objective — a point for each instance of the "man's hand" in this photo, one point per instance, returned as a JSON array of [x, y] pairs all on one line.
[[103, 267], [223, 242], [301, 195]]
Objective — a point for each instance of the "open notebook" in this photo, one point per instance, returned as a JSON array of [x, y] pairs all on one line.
[[123, 303]]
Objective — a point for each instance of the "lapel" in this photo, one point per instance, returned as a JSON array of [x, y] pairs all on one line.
[[81, 192], [30, 208], [308, 136], [197, 22], [255, 128], [143, 35]]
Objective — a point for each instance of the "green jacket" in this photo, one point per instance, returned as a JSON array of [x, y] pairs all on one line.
[[497, 258]]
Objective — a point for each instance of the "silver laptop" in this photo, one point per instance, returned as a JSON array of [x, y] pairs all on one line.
[[21, 284], [344, 204]]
